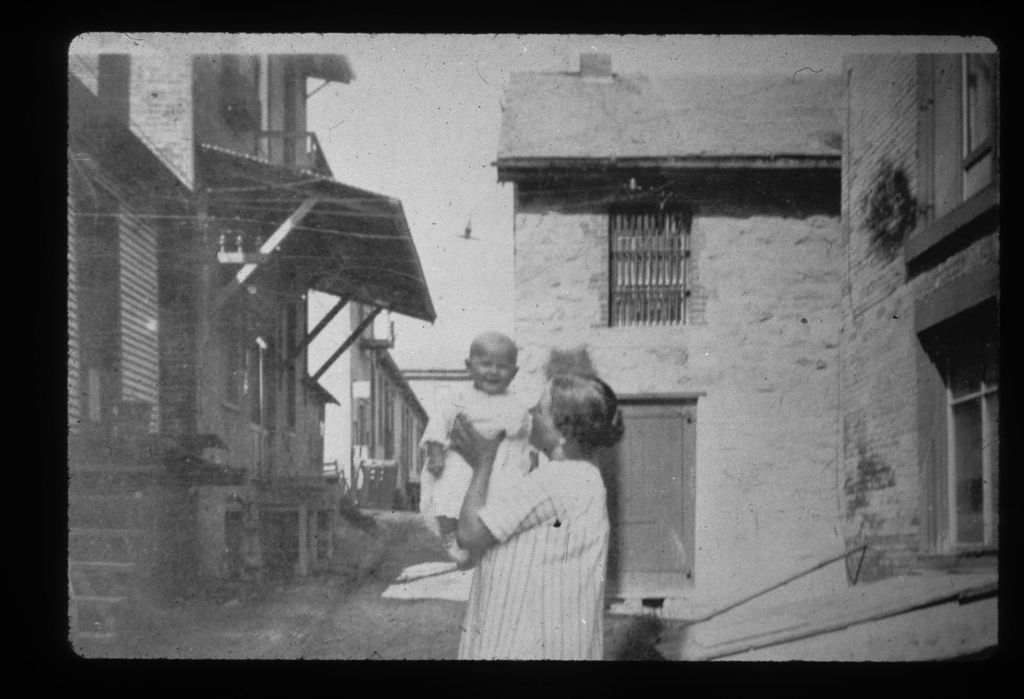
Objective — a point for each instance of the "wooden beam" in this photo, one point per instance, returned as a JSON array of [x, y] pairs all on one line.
[[311, 335], [268, 247], [347, 343]]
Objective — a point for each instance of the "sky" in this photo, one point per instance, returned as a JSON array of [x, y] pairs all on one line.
[[420, 123]]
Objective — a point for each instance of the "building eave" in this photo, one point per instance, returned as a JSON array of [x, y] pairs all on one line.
[[515, 168]]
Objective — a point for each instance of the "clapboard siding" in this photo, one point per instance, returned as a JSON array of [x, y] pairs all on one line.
[[74, 358], [140, 359]]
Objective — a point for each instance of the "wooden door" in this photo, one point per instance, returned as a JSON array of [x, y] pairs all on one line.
[[650, 479]]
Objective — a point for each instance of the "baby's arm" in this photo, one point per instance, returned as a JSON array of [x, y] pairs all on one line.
[[435, 457]]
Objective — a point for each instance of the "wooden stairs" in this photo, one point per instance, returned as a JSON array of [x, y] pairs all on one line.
[[110, 528]]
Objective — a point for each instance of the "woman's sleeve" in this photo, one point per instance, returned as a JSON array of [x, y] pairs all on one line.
[[521, 505]]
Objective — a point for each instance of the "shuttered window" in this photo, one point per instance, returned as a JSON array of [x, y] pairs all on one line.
[[649, 261]]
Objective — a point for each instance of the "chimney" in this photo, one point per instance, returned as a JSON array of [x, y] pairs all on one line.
[[596, 65], [114, 84]]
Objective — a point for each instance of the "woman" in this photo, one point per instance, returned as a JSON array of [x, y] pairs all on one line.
[[542, 543]]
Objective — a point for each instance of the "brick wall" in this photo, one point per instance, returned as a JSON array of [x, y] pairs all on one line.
[[177, 322], [879, 479], [161, 108], [882, 471], [764, 349]]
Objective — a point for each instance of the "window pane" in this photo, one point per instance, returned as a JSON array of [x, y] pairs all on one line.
[[649, 256], [978, 175], [992, 362], [991, 452], [968, 473], [980, 69], [966, 371]]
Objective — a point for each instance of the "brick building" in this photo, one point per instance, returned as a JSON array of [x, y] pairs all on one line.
[[685, 230], [918, 380], [920, 341]]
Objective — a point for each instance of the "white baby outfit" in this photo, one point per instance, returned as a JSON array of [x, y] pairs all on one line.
[[441, 495]]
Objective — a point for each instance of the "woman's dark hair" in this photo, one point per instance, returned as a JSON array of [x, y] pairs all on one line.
[[586, 409]]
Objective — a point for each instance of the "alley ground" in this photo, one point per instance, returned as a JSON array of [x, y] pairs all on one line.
[[335, 615]]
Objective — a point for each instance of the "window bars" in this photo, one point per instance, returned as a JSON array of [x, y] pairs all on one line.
[[649, 268]]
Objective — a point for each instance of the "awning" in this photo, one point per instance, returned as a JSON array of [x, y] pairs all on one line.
[[352, 243], [322, 393]]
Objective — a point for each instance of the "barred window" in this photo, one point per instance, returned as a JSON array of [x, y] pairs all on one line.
[[649, 261]]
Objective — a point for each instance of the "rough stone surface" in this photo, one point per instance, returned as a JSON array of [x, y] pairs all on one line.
[[763, 353]]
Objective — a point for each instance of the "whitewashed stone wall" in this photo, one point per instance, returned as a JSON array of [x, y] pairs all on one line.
[[764, 356]]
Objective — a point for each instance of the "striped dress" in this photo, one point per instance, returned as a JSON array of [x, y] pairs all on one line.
[[539, 593]]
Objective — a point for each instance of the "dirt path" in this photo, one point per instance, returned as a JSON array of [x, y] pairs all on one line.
[[335, 615], [338, 614], [362, 625]]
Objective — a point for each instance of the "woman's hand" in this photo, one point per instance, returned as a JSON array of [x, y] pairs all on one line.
[[473, 446]]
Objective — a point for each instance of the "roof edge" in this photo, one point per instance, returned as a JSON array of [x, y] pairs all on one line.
[[774, 161]]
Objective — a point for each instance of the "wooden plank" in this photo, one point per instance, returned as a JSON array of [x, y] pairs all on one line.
[[806, 618], [810, 628], [345, 345], [335, 309]]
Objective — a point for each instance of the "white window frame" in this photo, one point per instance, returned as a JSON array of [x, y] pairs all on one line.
[[987, 429]]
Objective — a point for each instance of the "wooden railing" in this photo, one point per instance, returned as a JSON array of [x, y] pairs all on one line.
[[299, 149]]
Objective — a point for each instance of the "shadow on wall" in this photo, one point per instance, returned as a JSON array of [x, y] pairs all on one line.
[[709, 192]]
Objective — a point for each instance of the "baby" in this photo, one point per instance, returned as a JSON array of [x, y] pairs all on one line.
[[491, 408]]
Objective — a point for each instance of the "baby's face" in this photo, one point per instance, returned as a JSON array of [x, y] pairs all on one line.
[[492, 369]]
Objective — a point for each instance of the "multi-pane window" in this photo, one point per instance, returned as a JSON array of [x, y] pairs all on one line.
[[965, 350], [973, 418], [649, 267], [362, 422], [979, 121], [959, 133], [257, 386]]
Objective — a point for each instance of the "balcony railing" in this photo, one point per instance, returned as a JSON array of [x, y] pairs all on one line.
[[298, 149]]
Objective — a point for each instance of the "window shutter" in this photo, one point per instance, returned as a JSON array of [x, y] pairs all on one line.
[[948, 149]]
